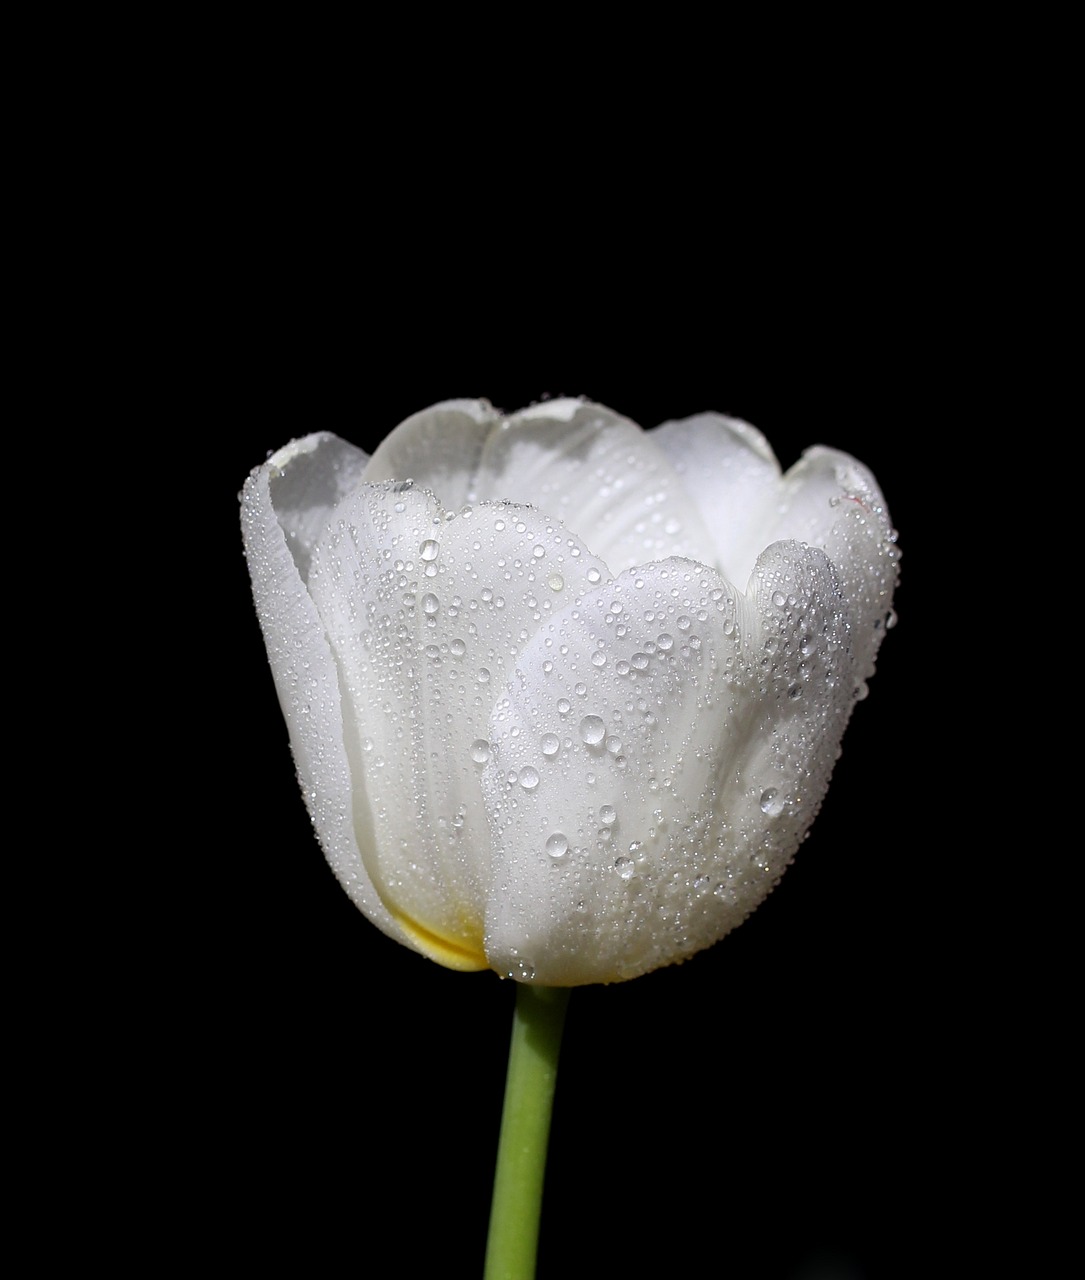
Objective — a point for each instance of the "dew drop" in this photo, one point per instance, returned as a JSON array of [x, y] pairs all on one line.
[[624, 867], [594, 575], [551, 745], [640, 661], [599, 658], [480, 751], [608, 814], [779, 599], [772, 802], [484, 675], [457, 648], [529, 778], [557, 846], [555, 582], [428, 550], [592, 730], [665, 642], [538, 552], [430, 603], [564, 706]]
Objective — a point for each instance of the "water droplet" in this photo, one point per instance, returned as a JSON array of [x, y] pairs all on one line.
[[457, 648], [557, 846], [538, 552], [772, 802], [684, 623], [529, 778], [484, 675], [592, 730], [594, 575], [430, 603], [640, 661], [665, 642], [555, 582], [624, 867], [779, 599], [564, 706], [428, 550], [480, 751], [551, 744], [608, 814], [614, 745], [499, 525], [599, 658]]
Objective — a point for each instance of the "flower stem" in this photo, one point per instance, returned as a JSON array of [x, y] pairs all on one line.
[[525, 1132]]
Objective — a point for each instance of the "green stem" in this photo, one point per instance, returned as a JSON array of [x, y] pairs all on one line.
[[525, 1132]]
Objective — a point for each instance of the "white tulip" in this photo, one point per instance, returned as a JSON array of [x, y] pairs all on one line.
[[564, 696]]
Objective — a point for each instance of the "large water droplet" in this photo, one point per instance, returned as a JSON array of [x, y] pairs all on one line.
[[480, 751], [457, 648], [772, 802], [624, 867], [551, 744], [608, 814], [430, 603], [557, 846], [529, 778], [428, 550], [592, 730]]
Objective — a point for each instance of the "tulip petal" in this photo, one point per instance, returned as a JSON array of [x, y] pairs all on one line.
[[698, 727], [579, 461], [729, 470], [426, 612], [827, 499], [439, 449], [282, 504]]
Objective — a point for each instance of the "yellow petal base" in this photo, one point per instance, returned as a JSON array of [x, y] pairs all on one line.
[[463, 953]]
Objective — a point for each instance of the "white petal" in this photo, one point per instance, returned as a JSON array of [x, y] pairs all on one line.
[[830, 500], [285, 494], [697, 727], [308, 479], [427, 612], [597, 471], [731, 473], [827, 499], [438, 448]]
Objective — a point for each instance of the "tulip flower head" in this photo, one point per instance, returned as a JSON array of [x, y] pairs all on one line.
[[564, 695]]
